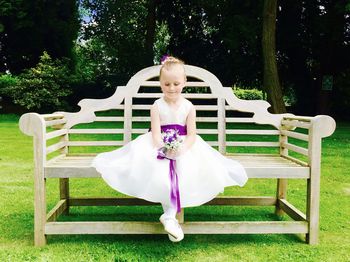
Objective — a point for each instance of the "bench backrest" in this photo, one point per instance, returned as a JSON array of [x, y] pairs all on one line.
[[224, 121]]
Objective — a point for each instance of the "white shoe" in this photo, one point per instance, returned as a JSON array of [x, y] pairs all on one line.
[[172, 227]]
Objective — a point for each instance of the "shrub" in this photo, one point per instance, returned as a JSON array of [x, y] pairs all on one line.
[[248, 94], [42, 87]]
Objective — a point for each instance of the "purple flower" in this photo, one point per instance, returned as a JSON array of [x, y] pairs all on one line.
[[164, 58]]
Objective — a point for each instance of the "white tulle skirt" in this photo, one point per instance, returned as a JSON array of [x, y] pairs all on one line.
[[202, 172]]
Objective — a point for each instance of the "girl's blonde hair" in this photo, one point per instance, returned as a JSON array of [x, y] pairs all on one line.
[[170, 61]]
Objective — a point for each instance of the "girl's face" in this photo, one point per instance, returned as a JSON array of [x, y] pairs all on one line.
[[172, 81]]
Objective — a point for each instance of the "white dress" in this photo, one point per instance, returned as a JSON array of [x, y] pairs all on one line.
[[202, 171]]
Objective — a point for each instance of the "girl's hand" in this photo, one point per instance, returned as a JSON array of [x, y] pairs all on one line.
[[173, 154]]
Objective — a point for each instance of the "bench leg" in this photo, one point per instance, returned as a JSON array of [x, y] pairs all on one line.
[[39, 211], [180, 216], [281, 194], [312, 213], [64, 193]]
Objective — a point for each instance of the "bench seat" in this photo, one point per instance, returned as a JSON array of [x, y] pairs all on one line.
[[257, 166]]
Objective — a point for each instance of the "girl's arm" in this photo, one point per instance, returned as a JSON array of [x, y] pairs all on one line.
[[155, 126], [191, 131]]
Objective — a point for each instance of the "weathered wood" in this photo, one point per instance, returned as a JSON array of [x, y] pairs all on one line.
[[291, 210], [64, 193], [313, 184], [224, 227], [130, 201], [265, 166], [54, 213]]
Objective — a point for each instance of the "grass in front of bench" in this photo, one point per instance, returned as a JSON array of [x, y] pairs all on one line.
[[16, 215]]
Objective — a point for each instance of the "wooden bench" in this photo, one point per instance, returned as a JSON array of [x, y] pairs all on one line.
[[283, 146]]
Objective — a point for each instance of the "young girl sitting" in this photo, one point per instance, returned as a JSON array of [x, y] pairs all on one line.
[[170, 165]]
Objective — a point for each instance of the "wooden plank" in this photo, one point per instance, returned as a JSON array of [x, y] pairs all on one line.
[[55, 147], [110, 118], [243, 201], [52, 116], [207, 119], [251, 132], [300, 118], [295, 148], [56, 133], [291, 210], [95, 143], [59, 208], [139, 130], [96, 131], [298, 161], [296, 135], [130, 201], [296, 123], [189, 83], [239, 120], [313, 185], [207, 131], [141, 119], [224, 227], [186, 95], [55, 122], [257, 144], [221, 125], [84, 171]]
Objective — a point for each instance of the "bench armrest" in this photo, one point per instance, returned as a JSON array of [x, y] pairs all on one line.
[[321, 125]]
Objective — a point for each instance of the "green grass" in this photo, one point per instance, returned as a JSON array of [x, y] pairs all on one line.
[[16, 215]]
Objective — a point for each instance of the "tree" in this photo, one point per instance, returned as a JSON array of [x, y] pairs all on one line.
[[271, 78], [28, 28]]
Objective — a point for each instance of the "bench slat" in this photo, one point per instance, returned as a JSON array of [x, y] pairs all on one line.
[[251, 132], [256, 166], [56, 133], [296, 135], [55, 122], [295, 148], [109, 119], [96, 131], [55, 147], [189, 83], [95, 143], [257, 144], [222, 227], [296, 123]]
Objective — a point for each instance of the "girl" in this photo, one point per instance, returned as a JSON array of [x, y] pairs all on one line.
[[170, 165]]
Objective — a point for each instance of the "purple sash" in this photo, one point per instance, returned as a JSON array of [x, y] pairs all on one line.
[[174, 184]]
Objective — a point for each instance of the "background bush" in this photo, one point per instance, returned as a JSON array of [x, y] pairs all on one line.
[[248, 94], [41, 88]]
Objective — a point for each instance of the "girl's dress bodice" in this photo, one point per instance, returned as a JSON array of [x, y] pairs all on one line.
[[169, 115]]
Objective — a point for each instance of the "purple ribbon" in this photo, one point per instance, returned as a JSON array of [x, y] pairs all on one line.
[[174, 181], [182, 129]]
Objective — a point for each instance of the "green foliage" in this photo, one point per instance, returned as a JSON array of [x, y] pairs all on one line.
[[42, 87], [248, 94]]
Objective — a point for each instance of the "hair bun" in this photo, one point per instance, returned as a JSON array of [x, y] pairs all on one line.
[[167, 59]]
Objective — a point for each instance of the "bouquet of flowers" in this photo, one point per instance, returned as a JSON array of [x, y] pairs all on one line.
[[172, 141]]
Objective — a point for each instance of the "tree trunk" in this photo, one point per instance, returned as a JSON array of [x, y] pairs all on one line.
[[151, 30], [271, 79]]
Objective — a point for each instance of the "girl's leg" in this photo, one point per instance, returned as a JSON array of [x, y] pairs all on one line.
[[169, 212], [171, 226]]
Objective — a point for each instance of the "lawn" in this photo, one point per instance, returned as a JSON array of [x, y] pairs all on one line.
[[16, 215]]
